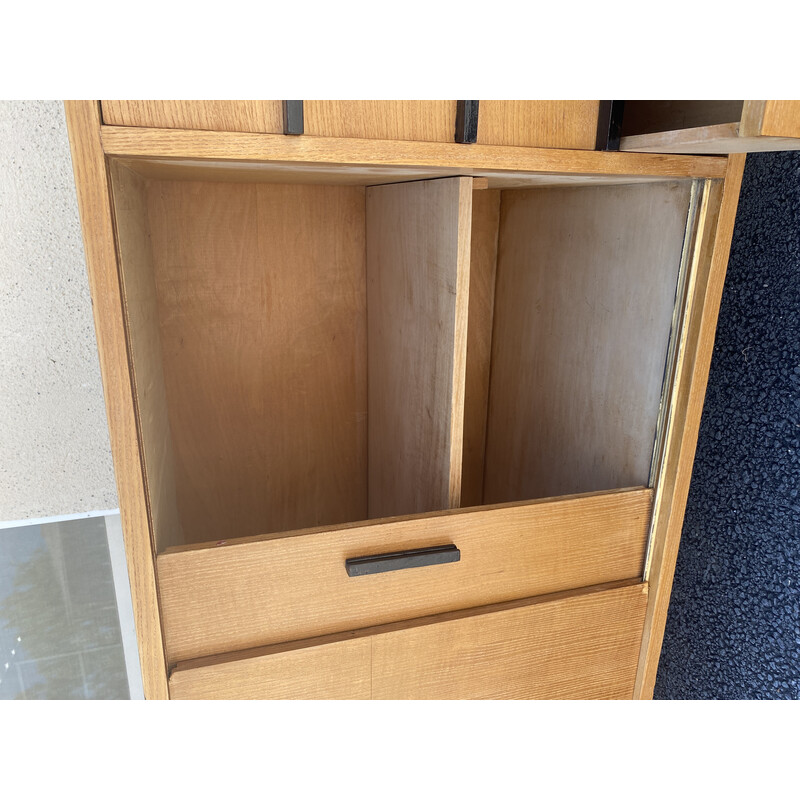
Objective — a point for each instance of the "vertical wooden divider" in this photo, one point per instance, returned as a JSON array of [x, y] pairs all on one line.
[[482, 269], [418, 253]]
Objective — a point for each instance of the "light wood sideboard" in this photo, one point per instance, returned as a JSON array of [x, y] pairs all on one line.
[[403, 405]]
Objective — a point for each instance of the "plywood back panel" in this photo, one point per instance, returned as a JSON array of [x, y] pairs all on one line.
[[586, 283], [567, 124], [578, 645], [245, 116], [261, 295], [418, 240], [411, 120], [144, 337]]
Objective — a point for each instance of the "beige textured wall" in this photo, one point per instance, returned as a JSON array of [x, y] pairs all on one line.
[[54, 451]]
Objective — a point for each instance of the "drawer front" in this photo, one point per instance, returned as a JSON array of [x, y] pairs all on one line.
[[568, 124], [239, 116], [245, 594], [404, 120], [579, 645]]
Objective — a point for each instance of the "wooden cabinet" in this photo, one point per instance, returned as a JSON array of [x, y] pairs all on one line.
[[317, 349]]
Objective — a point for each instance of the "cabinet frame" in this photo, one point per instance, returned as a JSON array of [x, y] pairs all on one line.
[[93, 145]]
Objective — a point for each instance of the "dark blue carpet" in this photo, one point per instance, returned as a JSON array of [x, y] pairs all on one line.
[[733, 630]]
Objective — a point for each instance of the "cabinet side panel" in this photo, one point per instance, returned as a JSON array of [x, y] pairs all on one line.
[[417, 304], [687, 407], [94, 202], [261, 292], [586, 283], [245, 116], [141, 307], [482, 267]]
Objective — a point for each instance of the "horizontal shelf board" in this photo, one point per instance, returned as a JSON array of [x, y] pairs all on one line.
[[219, 599], [220, 146], [710, 139]]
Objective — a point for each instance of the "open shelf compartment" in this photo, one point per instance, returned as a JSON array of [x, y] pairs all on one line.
[[311, 351]]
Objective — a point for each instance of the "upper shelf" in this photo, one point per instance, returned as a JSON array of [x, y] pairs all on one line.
[[200, 155], [569, 124], [647, 126], [710, 126]]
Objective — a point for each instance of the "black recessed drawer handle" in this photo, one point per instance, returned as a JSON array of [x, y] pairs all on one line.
[[387, 562]]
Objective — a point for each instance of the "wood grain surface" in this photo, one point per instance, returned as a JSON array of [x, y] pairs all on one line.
[[231, 171], [262, 308], [412, 120], [567, 124], [129, 197], [94, 204], [482, 268], [248, 116], [586, 282], [244, 594], [418, 239], [577, 645], [771, 118], [318, 150], [724, 138]]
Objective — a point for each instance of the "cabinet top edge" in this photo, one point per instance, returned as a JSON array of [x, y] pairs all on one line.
[[213, 146]]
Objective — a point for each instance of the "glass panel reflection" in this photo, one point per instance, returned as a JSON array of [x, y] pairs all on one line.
[[59, 625]]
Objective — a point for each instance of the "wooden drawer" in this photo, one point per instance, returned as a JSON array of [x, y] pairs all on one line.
[[577, 645], [249, 593], [244, 116], [405, 120], [568, 124]]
